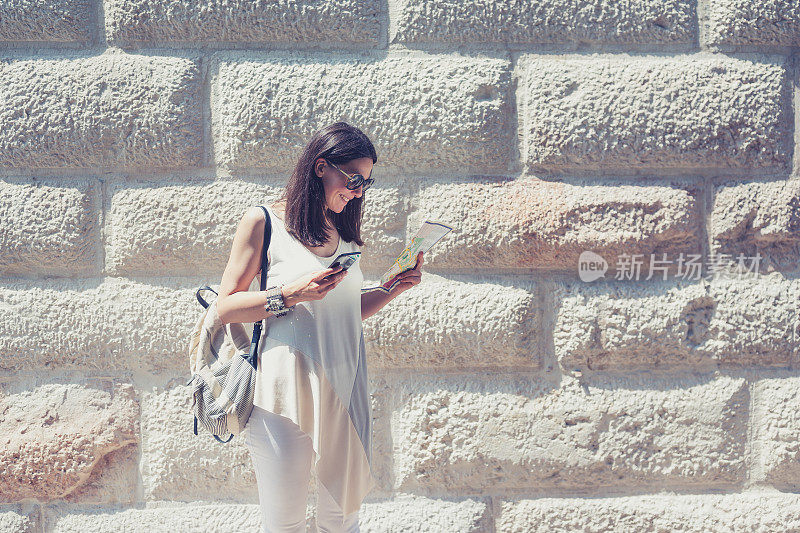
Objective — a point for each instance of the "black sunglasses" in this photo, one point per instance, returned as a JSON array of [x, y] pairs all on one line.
[[356, 180]]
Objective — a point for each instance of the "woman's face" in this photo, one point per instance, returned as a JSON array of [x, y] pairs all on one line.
[[336, 194]]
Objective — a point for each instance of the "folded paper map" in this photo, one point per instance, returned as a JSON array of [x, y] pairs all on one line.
[[429, 234]]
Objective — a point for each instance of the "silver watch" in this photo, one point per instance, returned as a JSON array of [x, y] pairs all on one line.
[[275, 303]]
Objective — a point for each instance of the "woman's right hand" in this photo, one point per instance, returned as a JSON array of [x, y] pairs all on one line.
[[312, 286]]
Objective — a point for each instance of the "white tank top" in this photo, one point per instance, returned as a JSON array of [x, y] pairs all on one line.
[[312, 368]]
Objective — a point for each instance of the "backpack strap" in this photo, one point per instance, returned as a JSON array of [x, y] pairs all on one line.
[[267, 238], [202, 300], [253, 357]]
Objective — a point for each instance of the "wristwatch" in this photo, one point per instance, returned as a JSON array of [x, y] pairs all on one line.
[[275, 303]]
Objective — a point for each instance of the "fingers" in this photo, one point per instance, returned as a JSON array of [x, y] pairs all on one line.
[[411, 280], [329, 282], [334, 279], [325, 273], [412, 277]]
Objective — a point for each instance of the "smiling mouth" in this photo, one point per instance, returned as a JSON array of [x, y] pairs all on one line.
[[343, 197]]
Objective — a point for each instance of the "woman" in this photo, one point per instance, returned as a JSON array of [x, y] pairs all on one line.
[[311, 402]]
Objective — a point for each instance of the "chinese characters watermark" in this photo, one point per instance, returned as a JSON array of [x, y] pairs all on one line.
[[592, 266]]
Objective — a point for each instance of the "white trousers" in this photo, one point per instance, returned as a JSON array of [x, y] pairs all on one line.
[[282, 457]]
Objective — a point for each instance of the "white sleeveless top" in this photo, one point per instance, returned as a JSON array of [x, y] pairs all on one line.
[[312, 368]]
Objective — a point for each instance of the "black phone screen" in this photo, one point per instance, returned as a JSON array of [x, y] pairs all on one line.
[[345, 260]]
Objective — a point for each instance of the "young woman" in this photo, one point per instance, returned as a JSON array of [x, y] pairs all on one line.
[[311, 404]]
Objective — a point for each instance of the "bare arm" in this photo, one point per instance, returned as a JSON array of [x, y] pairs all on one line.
[[372, 302], [235, 302]]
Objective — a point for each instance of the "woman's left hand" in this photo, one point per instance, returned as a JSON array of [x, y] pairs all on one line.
[[409, 278]]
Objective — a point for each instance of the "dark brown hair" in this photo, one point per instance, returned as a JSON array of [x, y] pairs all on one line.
[[304, 194]]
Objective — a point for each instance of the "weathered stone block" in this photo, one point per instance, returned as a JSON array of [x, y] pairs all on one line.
[[421, 111], [611, 112], [750, 511], [505, 432], [155, 517], [531, 223], [675, 324], [406, 512], [552, 21], [241, 21], [758, 218], [107, 110], [777, 430], [455, 322], [54, 20], [381, 395], [97, 325], [50, 227], [770, 22], [631, 324], [56, 437], [184, 229], [178, 465], [19, 521]]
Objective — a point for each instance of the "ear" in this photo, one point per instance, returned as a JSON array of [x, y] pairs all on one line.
[[319, 165]]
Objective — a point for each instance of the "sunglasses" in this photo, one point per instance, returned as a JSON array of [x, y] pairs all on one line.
[[356, 180]]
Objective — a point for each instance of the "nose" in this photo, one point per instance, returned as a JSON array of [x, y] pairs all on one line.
[[358, 192]]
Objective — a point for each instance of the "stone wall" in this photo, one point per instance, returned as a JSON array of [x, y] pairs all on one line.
[[509, 394]]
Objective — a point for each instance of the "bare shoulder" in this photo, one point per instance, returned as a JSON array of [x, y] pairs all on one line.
[[250, 227], [253, 217]]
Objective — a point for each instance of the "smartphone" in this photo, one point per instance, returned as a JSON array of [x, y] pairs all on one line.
[[345, 260]]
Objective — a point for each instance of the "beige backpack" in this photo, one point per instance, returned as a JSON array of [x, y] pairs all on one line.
[[223, 363]]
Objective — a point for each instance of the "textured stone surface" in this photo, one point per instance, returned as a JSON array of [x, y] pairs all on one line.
[[384, 226], [750, 511], [406, 512], [758, 217], [55, 437], [551, 21], [777, 429], [677, 324], [452, 323], [115, 482], [242, 21], [446, 111], [216, 518], [500, 118], [17, 521], [184, 229], [120, 324], [381, 398], [51, 20], [100, 325], [775, 22], [751, 321], [464, 433], [612, 111], [631, 324], [50, 227], [111, 109], [531, 223], [178, 465]]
